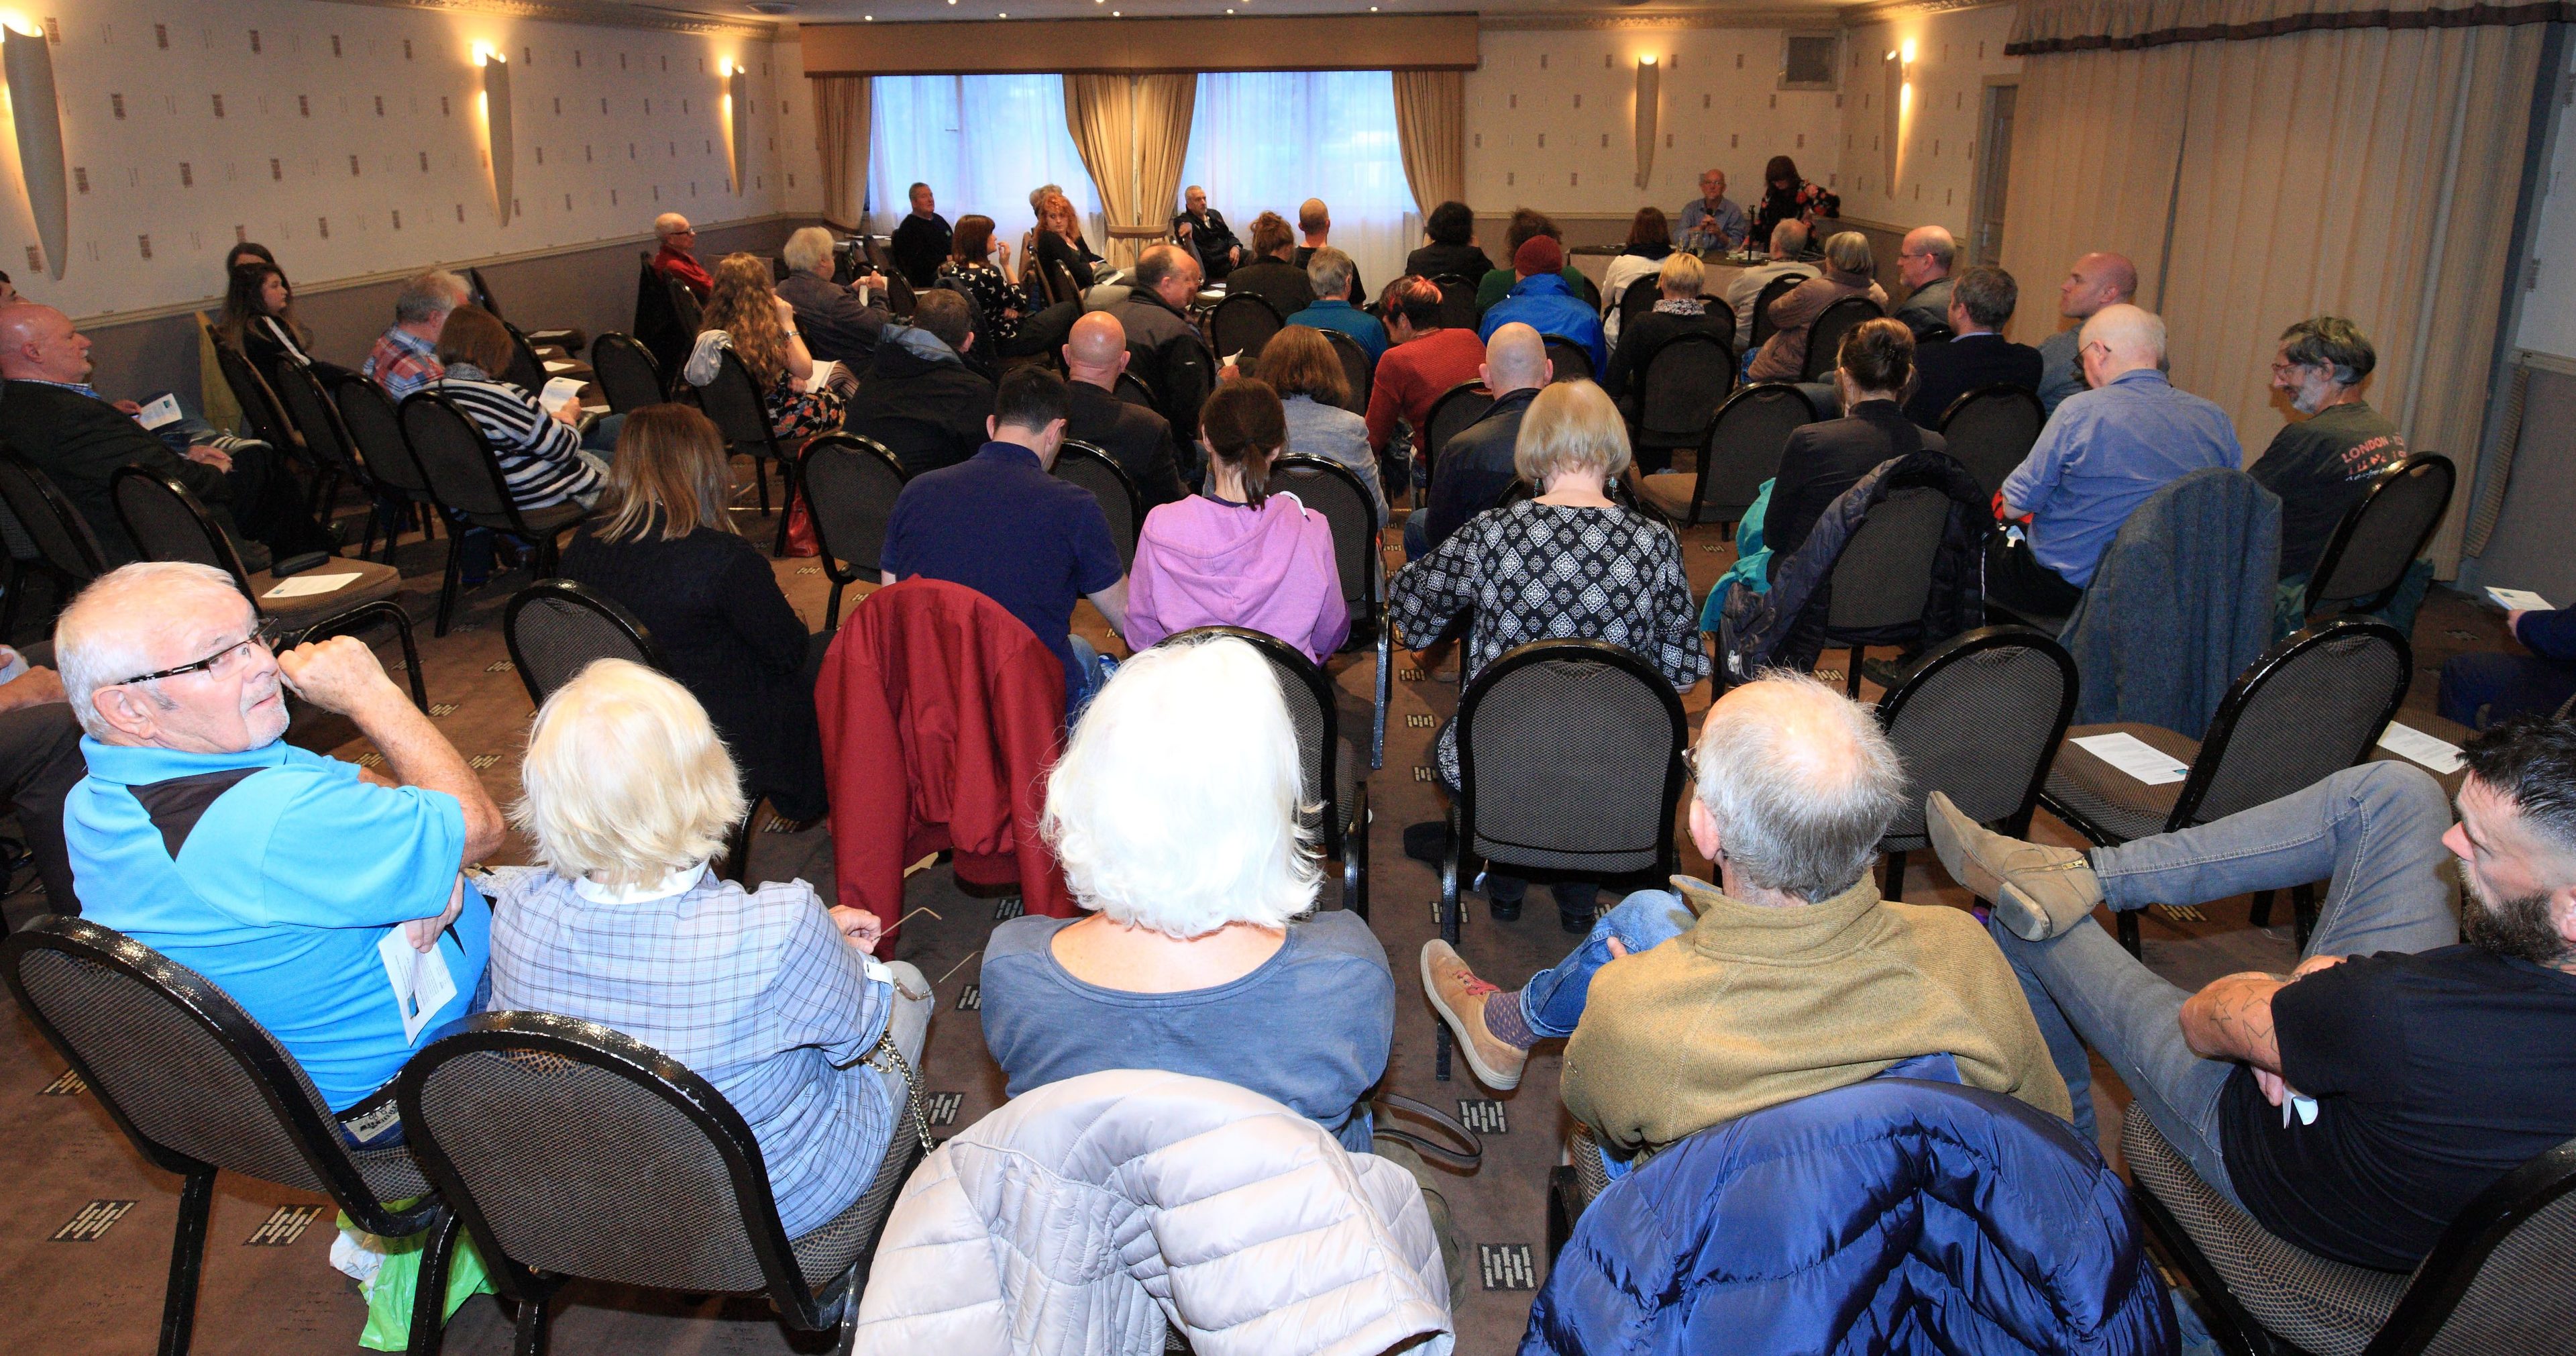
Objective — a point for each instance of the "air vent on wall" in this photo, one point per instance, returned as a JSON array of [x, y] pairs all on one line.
[[772, 7], [1807, 60]]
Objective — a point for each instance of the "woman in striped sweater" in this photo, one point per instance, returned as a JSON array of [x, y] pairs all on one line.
[[541, 455]]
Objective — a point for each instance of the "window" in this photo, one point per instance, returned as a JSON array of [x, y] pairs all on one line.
[[981, 142], [1269, 140]]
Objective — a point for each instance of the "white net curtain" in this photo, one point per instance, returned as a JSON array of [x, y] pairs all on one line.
[[981, 142], [1269, 140]]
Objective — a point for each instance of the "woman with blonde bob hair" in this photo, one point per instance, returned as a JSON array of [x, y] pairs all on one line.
[[765, 993], [1176, 813]]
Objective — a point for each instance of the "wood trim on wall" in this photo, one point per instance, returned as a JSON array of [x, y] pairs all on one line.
[[1144, 46]]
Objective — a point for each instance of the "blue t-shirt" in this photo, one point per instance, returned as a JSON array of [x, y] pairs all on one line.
[[274, 873], [1000, 525], [1310, 1028], [1338, 314]]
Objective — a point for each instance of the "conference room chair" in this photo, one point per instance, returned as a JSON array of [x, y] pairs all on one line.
[[1241, 324], [1566, 359], [851, 484], [168, 523], [199, 1088], [64, 547], [573, 1152], [375, 430], [335, 451], [1570, 768], [1678, 396], [1772, 291], [1742, 450], [1720, 315], [1135, 390], [1335, 491], [1096, 471], [1060, 286], [2311, 707], [568, 340], [1636, 299], [666, 316], [2501, 1278], [1358, 372], [1458, 308], [1455, 409], [2378, 540], [1991, 429], [23, 557], [628, 376], [734, 402], [1979, 718], [466, 483], [556, 627], [1883, 578], [527, 370], [1328, 765], [1825, 334], [262, 413]]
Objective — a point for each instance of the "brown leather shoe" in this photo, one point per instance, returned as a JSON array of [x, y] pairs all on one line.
[[1460, 998]]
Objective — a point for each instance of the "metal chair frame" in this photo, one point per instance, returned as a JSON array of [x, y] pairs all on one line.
[[1358, 372], [1643, 436], [392, 467], [2001, 390], [1461, 393], [335, 449], [1252, 303], [1820, 356], [1458, 308], [548, 552], [573, 594], [1074, 451], [2420, 464], [1959, 648], [763, 449], [1349, 847], [832, 569], [259, 403], [37, 495], [1747, 394], [1834, 637], [1375, 601], [1567, 360], [1772, 291], [628, 349]]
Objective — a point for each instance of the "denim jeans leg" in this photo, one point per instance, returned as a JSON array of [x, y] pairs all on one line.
[[1552, 1001], [1417, 536]]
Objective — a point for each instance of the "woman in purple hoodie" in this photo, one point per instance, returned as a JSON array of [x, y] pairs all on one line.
[[1236, 554]]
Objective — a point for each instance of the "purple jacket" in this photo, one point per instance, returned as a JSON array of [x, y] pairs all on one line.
[[1206, 562]]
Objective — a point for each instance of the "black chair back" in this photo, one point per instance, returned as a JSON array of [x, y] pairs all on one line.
[[527, 370], [1458, 308], [1335, 491], [1884, 575], [61, 535], [1457, 407], [1094, 470], [555, 628], [482, 293], [1744, 445], [2311, 708], [1720, 315], [167, 523], [1309, 697], [657, 320], [259, 404], [1978, 719], [1638, 298], [684, 313], [1772, 291], [1825, 335], [1357, 370], [627, 373], [1570, 758], [463, 473], [2383, 534], [375, 429], [734, 401], [1991, 429], [851, 484], [1241, 324], [1679, 393], [1135, 390], [1566, 359], [1061, 286]]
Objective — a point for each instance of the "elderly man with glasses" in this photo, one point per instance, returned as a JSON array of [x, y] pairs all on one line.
[[326, 899]]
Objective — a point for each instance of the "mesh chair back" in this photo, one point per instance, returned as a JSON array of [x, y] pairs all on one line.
[[317, 420], [2382, 535], [167, 523], [1333, 490], [628, 376], [1681, 389], [851, 484], [1884, 575], [1825, 336], [2523, 1295], [1771, 291], [1356, 370], [1566, 359], [556, 627], [734, 402], [1457, 407], [376, 431], [1637, 298], [1745, 443], [251, 391], [61, 535], [1991, 429], [462, 473], [1304, 689], [2309, 709], [1458, 308], [1570, 758], [1093, 470], [1979, 720], [1720, 315], [1242, 323]]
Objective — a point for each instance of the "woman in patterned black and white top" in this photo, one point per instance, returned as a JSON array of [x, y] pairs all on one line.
[[541, 456]]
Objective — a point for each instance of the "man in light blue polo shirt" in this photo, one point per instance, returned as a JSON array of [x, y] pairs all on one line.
[[323, 898], [2100, 456]]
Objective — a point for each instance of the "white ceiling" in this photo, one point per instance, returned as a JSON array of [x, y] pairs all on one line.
[[889, 11]]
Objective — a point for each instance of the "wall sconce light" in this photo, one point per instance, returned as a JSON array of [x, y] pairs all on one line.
[[1898, 68], [39, 122], [1650, 85], [498, 147], [737, 115]]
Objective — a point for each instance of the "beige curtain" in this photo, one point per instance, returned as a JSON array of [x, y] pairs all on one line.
[[841, 139], [2095, 139], [1431, 130], [1132, 132]]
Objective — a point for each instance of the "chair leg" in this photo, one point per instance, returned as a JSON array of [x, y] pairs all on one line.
[[832, 611], [2128, 919], [786, 505], [1895, 887], [530, 1338], [1385, 691], [2303, 912], [447, 590], [411, 654], [1355, 858], [1852, 679], [2259, 913], [760, 468], [1449, 934], [429, 1297], [187, 1262]]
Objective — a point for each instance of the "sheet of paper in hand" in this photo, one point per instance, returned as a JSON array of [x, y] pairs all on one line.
[[420, 980], [559, 392], [2134, 756], [2519, 600], [162, 411]]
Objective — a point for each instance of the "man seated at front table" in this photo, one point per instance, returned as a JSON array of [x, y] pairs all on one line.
[[293, 881], [1977, 354], [1541, 300], [837, 326], [999, 524], [1428, 360], [2414, 1056], [2323, 464], [1711, 222], [1136, 438], [677, 260], [1329, 272], [1476, 465], [2098, 458], [405, 356], [1788, 977]]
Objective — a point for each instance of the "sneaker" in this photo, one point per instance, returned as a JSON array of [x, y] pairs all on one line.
[[2039, 891], [1459, 997]]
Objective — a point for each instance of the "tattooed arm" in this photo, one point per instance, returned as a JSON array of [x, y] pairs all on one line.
[[2232, 1018]]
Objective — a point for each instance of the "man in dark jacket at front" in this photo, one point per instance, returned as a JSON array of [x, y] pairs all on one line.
[[1203, 230], [1475, 467], [921, 399], [1981, 301], [1138, 439], [1156, 315]]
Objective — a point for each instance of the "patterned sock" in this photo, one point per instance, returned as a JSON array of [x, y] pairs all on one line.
[[1504, 1021]]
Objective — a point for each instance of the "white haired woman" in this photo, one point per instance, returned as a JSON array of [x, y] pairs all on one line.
[[765, 993]]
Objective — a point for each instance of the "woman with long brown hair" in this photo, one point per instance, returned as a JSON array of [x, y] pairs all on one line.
[[970, 266], [259, 321], [760, 327], [1058, 239]]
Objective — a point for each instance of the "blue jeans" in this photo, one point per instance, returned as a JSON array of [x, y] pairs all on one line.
[[2502, 685], [601, 436], [1417, 535], [2375, 829], [1094, 672], [1552, 1001]]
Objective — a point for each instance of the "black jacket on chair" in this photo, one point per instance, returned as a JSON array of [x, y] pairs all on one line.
[[928, 413], [1136, 438], [1822, 460], [79, 441], [1950, 369]]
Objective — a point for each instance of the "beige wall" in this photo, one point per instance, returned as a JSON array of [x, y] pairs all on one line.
[[1956, 54]]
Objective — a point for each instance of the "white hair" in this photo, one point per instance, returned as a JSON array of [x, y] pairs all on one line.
[[1176, 807], [105, 637], [669, 224], [625, 780], [1801, 797], [806, 249], [1329, 271]]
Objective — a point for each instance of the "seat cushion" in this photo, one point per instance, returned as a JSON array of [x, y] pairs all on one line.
[[2118, 804], [2324, 1307], [374, 583], [1670, 494], [544, 522]]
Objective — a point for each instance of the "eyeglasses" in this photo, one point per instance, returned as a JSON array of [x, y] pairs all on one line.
[[222, 663]]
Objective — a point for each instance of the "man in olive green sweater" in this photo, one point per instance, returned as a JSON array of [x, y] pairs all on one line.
[[1789, 977]]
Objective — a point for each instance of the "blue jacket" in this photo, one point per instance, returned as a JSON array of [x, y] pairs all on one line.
[[1955, 1221], [1547, 305]]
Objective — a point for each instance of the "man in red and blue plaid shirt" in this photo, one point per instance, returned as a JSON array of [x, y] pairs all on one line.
[[405, 357]]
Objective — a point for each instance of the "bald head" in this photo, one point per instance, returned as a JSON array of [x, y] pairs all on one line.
[[1096, 350], [2099, 279], [1925, 255], [671, 224], [38, 343], [1515, 360], [1797, 784], [2121, 338]]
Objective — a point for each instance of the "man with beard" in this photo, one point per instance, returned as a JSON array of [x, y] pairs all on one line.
[[2355, 1105], [2323, 464]]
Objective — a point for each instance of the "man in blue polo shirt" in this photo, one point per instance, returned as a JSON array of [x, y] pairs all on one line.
[[1001, 525], [317, 894]]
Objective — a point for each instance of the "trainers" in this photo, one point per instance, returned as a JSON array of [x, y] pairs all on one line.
[[1459, 997], [2039, 891]]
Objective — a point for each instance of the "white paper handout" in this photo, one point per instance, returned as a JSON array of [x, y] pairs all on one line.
[[822, 374], [2416, 746], [308, 585], [420, 980], [2134, 756], [162, 411], [559, 365], [559, 392], [2519, 600]]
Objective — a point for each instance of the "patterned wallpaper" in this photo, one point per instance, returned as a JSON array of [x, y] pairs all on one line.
[[348, 139]]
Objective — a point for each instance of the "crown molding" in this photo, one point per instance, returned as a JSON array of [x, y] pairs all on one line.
[[1855, 16], [1809, 19], [596, 13]]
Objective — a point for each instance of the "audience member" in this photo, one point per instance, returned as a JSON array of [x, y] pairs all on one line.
[[1711, 222], [1788, 197], [999, 524], [40, 763], [1301, 366], [1822, 460], [1527, 224], [2099, 457], [1332, 274], [1977, 355], [1269, 274], [1058, 240], [973, 265], [2484, 687], [1156, 312], [1449, 246], [307, 862], [1678, 310], [664, 547], [1237, 554], [921, 240], [1848, 266], [1506, 569], [2322, 465], [2096, 281], [405, 357], [1650, 242], [836, 325], [1481, 461], [1923, 264], [1427, 359], [1788, 242], [770, 997], [1315, 221], [258, 320], [244, 252], [1202, 230], [1542, 301], [2416, 1054], [1794, 978], [746, 314], [542, 459], [1137, 438], [677, 260], [921, 399]]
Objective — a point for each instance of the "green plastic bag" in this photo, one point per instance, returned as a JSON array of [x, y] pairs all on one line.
[[389, 1294]]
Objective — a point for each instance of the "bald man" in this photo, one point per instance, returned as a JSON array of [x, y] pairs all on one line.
[[1315, 223], [2099, 279], [1135, 437], [1923, 264], [2100, 456], [678, 259], [1476, 465]]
